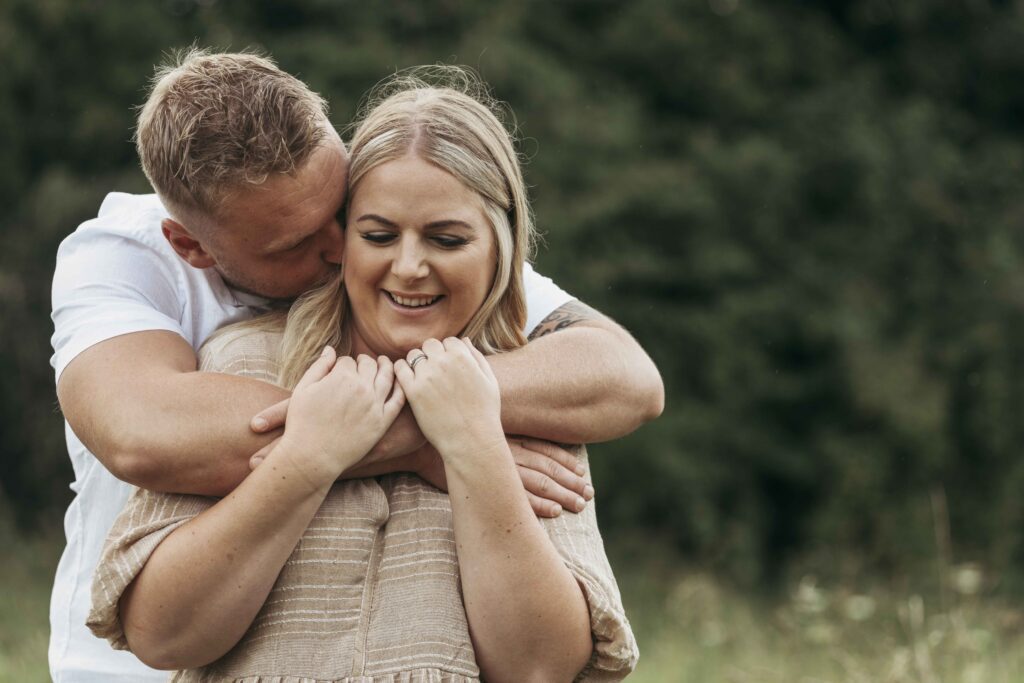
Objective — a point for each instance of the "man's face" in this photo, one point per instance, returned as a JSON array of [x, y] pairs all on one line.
[[282, 237]]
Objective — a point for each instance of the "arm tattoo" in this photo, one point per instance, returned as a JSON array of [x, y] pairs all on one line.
[[562, 317]]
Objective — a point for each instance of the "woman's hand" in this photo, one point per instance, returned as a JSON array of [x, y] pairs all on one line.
[[338, 411], [454, 395]]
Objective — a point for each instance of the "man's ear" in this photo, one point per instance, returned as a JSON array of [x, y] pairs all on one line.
[[186, 246]]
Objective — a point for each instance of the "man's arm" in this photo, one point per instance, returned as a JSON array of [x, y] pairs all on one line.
[[581, 379], [138, 403]]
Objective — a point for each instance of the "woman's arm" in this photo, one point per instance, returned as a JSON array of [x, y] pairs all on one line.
[[527, 615], [205, 583]]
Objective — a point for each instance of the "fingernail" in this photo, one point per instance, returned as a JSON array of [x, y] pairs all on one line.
[[556, 510], [580, 470], [324, 352], [259, 424], [588, 491], [580, 504], [255, 462]]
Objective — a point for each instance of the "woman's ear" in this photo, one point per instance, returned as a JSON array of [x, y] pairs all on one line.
[[185, 245]]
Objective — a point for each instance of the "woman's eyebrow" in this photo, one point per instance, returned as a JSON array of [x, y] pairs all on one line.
[[377, 219], [448, 223], [433, 225]]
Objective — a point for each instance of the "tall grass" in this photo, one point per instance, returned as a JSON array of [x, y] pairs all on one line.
[[26, 576], [693, 628]]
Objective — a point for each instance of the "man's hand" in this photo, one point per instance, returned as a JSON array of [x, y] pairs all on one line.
[[272, 418], [552, 476]]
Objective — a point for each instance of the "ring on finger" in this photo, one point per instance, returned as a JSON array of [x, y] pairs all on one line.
[[417, 359]]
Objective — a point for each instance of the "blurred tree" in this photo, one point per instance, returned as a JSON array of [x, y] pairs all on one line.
[[807, 212]]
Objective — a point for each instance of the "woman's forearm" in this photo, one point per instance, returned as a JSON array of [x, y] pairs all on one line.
[[206, 582], [527, 614]]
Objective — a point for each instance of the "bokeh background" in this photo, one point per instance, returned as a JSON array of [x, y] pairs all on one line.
[[810, 214]]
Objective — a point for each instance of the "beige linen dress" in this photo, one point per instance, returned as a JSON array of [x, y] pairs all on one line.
[[371, 593]]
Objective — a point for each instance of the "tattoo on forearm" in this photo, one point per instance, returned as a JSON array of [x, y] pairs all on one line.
[[562, 317]]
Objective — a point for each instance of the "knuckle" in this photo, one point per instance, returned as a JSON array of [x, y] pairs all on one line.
[[552, 468]]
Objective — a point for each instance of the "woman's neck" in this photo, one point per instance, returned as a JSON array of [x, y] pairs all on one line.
[[358, 346]]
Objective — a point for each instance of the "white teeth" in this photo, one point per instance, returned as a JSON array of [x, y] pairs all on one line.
[[414, 302]]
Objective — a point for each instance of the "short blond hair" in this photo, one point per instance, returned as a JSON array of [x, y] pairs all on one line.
[[214, 122], [446, 116]]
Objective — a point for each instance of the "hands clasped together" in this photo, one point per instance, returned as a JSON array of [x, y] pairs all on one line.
[[449, 386], [455, 399]]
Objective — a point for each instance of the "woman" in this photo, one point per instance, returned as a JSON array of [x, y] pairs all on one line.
[[295, 577]]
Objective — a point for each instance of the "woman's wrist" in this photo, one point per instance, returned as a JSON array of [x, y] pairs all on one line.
[[291, 459], [472, 439], [485, 450]]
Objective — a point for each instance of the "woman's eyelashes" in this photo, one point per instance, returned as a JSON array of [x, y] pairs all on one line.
[[450, 241], [378, 237], [443, 241]]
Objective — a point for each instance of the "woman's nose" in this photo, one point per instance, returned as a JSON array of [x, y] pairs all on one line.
[[409, 263]]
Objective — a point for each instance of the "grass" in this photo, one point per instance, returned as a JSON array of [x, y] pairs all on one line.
[[694, 628], [26, 575]]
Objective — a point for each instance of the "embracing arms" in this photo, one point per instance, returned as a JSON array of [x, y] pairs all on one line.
[[139, 404], [581, 379], [221, 565], [527, 615]]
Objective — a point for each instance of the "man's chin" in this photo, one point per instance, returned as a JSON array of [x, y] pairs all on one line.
[[276, 296], [275, 299]]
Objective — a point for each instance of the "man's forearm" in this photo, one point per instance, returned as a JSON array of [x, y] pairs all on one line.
[[397, 451], [203, 446], [138, 403], [581, 379]]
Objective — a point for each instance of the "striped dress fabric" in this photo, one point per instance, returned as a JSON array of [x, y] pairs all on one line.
[[371, 593]]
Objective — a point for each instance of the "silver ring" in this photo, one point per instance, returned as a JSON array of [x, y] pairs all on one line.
[[416, 360]]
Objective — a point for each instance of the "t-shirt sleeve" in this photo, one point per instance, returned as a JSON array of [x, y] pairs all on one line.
[[106, 285], [578, 541], [542, 297]]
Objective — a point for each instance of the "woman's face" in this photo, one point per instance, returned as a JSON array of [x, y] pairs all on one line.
[[419, 256]]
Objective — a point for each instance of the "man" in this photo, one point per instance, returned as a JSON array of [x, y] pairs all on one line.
[[250, 180]]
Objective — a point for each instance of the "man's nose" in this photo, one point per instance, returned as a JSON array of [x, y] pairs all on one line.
[[333, 243], [409, 263]]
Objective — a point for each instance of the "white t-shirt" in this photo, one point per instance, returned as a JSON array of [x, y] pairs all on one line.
[[117, 274]]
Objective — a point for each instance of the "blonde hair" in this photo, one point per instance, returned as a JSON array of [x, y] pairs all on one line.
[[215, 122], [444, 115]]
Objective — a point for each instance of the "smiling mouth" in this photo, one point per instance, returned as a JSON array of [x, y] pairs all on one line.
[[413, 301]]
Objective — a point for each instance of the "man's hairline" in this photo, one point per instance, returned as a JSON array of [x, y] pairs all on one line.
[[206, 221]]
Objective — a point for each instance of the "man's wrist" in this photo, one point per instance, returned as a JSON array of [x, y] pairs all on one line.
[[403, 438]]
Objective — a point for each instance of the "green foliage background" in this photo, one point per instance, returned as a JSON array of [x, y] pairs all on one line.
[[809, 213]]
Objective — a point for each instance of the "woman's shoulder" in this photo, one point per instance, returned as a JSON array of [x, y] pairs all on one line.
[[248, 349]]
